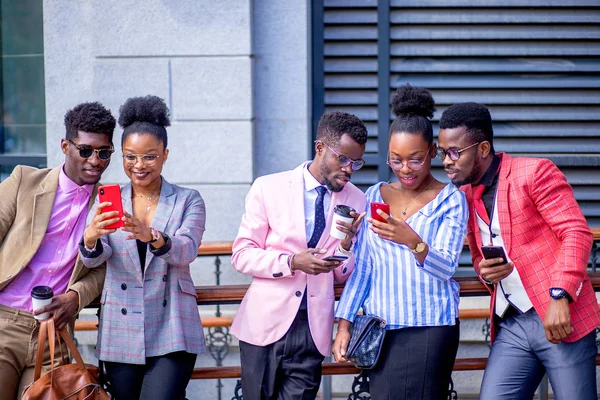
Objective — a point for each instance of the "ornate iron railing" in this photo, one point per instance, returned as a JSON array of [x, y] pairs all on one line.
[[219, 339]]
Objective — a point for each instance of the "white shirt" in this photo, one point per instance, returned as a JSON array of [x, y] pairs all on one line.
[[310, 197]]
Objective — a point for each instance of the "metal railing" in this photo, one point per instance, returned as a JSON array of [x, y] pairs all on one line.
[[219, 339]]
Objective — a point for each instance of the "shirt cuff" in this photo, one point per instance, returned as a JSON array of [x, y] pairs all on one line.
[[161, 251], [91, 253], [341, 251]]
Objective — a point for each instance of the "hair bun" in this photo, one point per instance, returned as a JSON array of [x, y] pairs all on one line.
[[413, 100], [149, 108]]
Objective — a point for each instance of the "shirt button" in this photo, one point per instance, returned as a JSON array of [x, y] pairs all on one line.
[[124, 286], [298, 293], [60, 252], [124, 311], [344, 270], [164, 303], [164, 278]]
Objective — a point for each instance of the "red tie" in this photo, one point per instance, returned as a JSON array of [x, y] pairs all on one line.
[[478, 203]]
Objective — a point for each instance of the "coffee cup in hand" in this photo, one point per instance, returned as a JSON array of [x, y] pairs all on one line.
[[41, 296], [340, 213]]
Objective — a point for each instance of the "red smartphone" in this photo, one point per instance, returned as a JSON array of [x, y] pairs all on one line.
[[112, 193], [379, 206]]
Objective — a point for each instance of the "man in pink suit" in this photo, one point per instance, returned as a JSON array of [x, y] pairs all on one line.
[[543, 306], [285, 320]]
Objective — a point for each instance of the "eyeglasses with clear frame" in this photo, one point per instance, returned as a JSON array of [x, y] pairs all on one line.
[[147, 159], [87, 151], [453, 152], [414, 165], [344, 161]]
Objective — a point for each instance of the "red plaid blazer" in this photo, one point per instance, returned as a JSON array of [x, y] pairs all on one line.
[[546, 236]]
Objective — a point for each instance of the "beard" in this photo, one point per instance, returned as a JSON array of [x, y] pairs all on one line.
[[331, 185], [473, 175]]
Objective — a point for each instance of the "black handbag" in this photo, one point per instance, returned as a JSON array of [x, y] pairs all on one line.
[[366, 338]]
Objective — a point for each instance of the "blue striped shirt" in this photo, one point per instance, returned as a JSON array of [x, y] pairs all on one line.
[[390, 283]]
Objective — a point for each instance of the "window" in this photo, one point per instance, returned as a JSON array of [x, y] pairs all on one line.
[[22, 99]]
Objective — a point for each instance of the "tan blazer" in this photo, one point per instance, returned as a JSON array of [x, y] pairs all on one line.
[[26, 200]]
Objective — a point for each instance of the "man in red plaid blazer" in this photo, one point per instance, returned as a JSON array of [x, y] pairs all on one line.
[[543, 307]]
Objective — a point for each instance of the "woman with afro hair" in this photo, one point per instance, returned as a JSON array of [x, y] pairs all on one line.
[[150, 332], [404, 266]]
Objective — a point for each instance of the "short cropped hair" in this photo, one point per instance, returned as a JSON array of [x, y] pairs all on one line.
[[89, 117], [474, 117], [335, 124]]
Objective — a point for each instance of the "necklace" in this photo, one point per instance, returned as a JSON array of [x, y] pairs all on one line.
[[415, 198], [152, 202], [151, 199]]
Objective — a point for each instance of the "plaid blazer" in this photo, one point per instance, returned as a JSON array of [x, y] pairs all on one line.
[[545, 235], [155, 313]]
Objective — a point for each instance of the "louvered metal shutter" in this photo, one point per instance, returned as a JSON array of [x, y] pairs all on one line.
[[534, 63]]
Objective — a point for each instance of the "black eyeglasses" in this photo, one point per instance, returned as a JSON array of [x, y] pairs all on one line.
[[344, 161], [87, 151], [452, 152]]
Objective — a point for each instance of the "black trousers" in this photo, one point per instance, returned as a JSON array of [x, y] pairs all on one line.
[[415, 363], [289, 369], [161, 378]]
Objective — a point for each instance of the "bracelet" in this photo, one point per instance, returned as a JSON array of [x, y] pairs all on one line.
[[291, 262], [344, 251], [486, 281], [90, 248], [343, 330]]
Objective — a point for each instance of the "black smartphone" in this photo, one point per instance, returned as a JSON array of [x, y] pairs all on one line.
[[494, 252], [339, 258]]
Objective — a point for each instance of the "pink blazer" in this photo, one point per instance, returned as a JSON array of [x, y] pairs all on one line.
[[273, 228]]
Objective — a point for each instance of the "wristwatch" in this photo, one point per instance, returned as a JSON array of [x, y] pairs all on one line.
[[155, 235], [558, 293], [419, 248]]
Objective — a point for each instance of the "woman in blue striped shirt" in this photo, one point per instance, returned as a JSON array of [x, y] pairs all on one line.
[[404, 267]]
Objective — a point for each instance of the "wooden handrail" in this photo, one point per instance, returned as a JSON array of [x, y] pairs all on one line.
[[331, 368], [231, 294], [224, 248], [225, 322]]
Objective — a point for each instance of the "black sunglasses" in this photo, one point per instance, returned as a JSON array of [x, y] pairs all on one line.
[[87, 151]]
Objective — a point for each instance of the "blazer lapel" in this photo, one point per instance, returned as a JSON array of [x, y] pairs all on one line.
[[502, 202], [296, 200], [130, 245], [164, 209], [42, 207]]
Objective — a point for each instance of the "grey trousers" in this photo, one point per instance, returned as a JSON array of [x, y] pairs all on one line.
[[521, 355]]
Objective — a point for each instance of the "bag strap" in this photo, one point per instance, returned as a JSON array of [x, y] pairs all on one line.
[[51, 342], [73, 348], [39, 357]]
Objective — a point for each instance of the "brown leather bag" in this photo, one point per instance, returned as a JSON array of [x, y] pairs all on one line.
[[65, 382]]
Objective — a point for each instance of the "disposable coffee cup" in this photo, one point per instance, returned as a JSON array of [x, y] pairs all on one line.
[[340, 213], [41, 296]]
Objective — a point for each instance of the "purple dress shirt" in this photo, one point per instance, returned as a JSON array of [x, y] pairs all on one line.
[[53, 263]]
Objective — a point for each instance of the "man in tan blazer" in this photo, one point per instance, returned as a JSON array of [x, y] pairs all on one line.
[[42, 217]]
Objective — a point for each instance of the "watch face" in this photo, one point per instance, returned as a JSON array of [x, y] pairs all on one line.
[[420, 247], [557, 293]]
